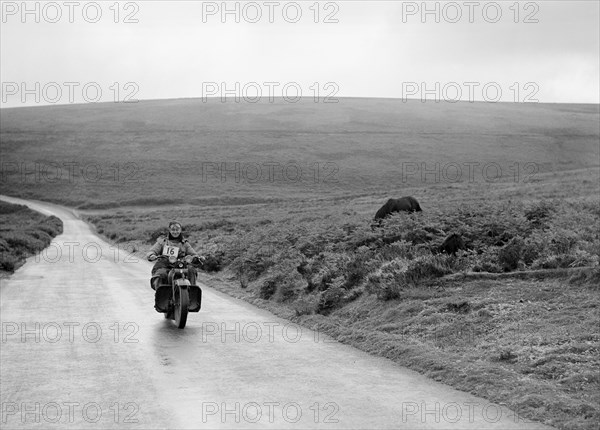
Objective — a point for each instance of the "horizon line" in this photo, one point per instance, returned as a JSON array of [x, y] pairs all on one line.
[[279, 98]]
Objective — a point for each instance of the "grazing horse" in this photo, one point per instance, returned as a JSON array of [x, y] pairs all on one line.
[[406, 204]]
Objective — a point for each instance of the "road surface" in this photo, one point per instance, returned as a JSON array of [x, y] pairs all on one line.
[[82, 347]]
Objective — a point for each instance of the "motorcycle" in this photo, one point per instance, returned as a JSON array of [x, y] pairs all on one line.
[[178, 296]]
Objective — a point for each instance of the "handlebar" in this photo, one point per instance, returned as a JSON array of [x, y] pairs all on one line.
[[196, 260]]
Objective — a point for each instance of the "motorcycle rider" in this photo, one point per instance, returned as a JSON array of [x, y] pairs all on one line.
[[166, 245]]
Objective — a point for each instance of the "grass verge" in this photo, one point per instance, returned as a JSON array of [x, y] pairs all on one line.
[[23, 233]]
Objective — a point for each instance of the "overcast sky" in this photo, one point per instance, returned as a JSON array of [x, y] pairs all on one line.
[[365, 49]]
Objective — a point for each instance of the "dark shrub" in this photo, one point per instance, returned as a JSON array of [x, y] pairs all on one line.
[[22, 241], [38, 234], [212, 262], [389, 281], [250, 267], [384, 290], [321, 280], [538, 213], [331, 298], [487, 261], [510, 255], [356, 270], [52, 226], [7, 262], [267, 287], [452, 244], [530, 251], [306, 305], [302, 268], [281, 286], [563, 242], [9, 208], [289, 287]]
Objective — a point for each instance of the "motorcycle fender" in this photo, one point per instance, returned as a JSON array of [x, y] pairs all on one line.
[[182, 283], [195, 293]]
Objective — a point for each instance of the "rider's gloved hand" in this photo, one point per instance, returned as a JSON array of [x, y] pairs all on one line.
[[188, 258], [152, 257], [198, 259]]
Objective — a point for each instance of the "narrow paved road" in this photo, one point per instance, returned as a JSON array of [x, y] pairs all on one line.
[[82, 347]]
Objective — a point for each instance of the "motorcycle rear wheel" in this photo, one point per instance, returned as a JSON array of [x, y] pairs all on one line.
[[182, 302]]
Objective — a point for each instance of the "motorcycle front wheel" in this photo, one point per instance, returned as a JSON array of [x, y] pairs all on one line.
[[182, 302]]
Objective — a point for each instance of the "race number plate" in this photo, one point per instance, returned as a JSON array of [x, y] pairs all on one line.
[[170, 251]]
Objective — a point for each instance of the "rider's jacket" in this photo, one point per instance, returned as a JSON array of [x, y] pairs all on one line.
[[162, 243]]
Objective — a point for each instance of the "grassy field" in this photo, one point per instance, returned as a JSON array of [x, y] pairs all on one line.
[[23, 233], [512, 318], [185, 151]]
